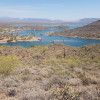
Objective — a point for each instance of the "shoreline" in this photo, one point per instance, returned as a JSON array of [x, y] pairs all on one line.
[[16, 29], [74, 37], [20, 39]]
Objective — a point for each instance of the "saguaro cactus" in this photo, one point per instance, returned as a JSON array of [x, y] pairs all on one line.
[[64, 53]]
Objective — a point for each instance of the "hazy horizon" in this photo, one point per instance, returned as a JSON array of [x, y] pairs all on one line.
[[84, 19], [66, 10]]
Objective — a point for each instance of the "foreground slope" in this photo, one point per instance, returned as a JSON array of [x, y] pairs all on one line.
[[50, 72], [90, 31]]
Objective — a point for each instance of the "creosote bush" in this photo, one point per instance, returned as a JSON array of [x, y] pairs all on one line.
[[7, 63], [39, 48], [70, 61], [52, 60], [73, 61]]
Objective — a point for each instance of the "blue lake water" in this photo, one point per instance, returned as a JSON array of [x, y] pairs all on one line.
[[71, 26], [75, 42]]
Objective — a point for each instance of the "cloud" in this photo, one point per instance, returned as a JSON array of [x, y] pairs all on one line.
[[17, 12], [14, 10]]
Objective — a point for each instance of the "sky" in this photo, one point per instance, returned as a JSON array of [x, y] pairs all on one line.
[[68, 10]]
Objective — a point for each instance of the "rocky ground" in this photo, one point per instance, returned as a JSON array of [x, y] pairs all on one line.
[[50, 72]]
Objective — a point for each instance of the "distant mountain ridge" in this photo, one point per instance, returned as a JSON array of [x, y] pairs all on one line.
[[89, 20], [40, 20], [29, 20]]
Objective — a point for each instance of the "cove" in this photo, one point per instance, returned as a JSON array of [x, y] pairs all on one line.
[[74, 42]]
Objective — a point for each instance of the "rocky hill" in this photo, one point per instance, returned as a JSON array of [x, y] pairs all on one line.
[[90, 31]]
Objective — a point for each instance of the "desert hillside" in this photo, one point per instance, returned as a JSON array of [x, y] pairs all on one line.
[[90, 31], [50, 72]]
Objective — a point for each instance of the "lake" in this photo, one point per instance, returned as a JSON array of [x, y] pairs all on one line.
[[75, 42]]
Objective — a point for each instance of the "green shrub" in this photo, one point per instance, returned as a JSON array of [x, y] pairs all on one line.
[[32, 33], [37, 55], [52, 60], [45, 48], [7, 63], [30, 37], [22, 36], [40, 48], [32, 46], [72, 61], [10, 40], [61, 72], [60, 55]]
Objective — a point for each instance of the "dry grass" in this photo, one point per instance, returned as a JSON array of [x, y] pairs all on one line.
[[8, 63]]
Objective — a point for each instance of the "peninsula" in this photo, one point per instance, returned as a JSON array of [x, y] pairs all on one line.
[[8, 38], [90, 31]]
